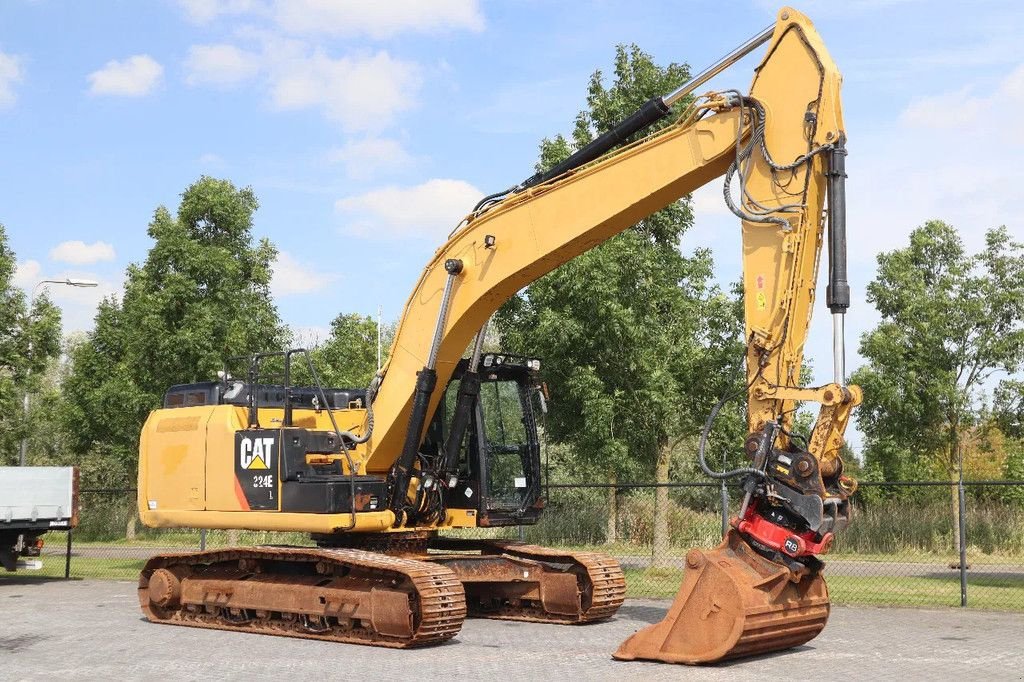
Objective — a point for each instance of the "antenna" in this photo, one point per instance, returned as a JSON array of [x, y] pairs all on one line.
[[378, 336]]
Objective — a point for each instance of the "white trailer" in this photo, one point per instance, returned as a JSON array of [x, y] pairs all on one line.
[[34, 500]]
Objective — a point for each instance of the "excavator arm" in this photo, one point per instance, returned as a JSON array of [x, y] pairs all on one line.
[[781, 146]]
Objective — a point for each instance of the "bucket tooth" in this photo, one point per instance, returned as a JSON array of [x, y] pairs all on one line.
[[733, 602]]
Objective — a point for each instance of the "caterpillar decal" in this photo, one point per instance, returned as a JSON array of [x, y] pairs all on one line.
[[257, 465]]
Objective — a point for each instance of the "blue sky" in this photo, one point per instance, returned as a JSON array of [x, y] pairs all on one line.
[[367, 129]]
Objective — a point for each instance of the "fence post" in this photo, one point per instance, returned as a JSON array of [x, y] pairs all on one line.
[[725, 497], [202, 539], [618, 514], [725, 509], [963, 538], [67, 558]]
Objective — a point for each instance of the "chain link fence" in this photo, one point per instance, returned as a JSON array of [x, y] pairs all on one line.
[[904, 547]]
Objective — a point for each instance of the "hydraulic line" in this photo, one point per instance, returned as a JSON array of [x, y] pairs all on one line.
[[652, 111], [469, 389], [341, 438], [702, 445], [426, 381], [837, 293]]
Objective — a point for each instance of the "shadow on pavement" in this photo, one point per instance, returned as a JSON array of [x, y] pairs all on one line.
[[19, 579], [646, 614]]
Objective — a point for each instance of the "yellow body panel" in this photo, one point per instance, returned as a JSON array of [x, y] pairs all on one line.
[[366, 522], [175, 443]]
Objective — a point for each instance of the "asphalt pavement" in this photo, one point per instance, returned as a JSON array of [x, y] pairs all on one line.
[[93, 629]]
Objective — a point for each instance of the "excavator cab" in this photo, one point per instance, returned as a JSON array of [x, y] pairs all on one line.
[[499, 456]]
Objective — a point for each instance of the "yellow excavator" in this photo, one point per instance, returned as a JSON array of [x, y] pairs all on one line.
[[440, 441]]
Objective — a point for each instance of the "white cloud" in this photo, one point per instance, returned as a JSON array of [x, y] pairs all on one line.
[[377, 19], [292, 276], [210, 159], [27, 273], [79, 253], [11, 73], [960, 109], [363, 159], [708, 200], [950, 155], [346, 18], [77, 304], [360, 92], [430, 210], [135, 76], [205, 11], [363, 91], [220, 65], [942, 111]]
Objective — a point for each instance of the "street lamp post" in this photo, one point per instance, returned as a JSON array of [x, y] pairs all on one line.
[[67, 281]]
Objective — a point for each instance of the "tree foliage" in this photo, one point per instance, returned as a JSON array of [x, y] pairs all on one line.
[[632, 332], [950, 323], [202, 295], [348, 358], [29, 342]]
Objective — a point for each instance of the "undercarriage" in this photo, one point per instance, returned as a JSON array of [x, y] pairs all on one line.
[[415, 590]]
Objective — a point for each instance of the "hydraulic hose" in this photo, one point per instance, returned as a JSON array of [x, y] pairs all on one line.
[[702, 446]]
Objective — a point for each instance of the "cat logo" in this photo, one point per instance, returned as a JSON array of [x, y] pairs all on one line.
[[256, 453]]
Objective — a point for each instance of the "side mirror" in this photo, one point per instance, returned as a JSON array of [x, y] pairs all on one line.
[[541, 392]]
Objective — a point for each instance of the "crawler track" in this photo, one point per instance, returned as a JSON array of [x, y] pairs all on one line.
[[340, 595], [566, 587]]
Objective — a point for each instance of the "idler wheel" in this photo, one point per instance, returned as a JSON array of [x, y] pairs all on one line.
[[164, 588]]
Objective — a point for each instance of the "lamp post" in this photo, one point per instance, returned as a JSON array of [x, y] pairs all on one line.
[[67, 281]]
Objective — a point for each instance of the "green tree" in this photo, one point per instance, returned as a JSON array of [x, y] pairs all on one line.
[[348, 358], [623, 328], [29, 343], [1008, 414], [1008, 409], [202, 295], [950, 323]]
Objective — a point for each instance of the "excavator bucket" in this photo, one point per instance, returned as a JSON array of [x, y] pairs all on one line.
[[733, 602]]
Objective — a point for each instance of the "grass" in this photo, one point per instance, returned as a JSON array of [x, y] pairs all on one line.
[[82, 567], [1002, 593], [983, 592]]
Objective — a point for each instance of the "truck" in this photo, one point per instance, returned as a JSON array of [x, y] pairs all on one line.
[[33, 501]]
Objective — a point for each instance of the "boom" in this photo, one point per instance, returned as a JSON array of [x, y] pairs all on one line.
[[536, 230]]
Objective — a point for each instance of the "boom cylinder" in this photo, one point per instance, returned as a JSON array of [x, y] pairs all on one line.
[[652, 111], [469, 389], [426, 381], [719, 66]]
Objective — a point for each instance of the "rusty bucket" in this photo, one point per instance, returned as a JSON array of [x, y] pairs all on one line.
[[733, 602]]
